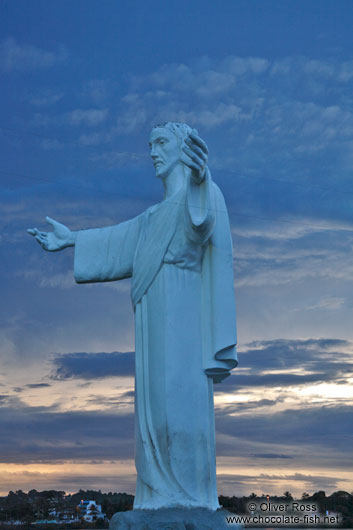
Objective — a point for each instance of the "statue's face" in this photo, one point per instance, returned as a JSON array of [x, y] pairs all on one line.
[[165, 151]]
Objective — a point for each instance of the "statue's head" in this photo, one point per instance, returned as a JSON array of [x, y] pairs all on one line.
[[165, 143]]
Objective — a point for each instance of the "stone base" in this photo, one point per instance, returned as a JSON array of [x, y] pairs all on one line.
[[173, 519]]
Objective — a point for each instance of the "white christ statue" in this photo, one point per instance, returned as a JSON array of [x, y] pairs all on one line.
[[179, 256]]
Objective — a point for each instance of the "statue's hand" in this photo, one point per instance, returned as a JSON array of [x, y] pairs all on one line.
[[195, 154], [61, 236]]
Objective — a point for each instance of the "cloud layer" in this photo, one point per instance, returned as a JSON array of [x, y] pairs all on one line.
[[26, 57], [79, 97]]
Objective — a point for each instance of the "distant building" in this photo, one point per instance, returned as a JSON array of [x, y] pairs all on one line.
[[56, 516], [90, 511]]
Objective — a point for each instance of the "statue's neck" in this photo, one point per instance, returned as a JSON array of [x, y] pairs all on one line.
[[174, 181]]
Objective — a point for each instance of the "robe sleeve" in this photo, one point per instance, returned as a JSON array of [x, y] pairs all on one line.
[[199, 210], [218, 300], [106, 254]]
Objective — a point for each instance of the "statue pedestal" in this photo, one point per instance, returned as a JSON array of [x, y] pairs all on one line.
[[173, 519]]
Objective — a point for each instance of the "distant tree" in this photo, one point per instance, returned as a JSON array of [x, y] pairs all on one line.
[[33, 493], [318, 494], [105, 503], [287, 495], [42, 505], [321, 500], [341, 502], [305, 496], [20, 493]]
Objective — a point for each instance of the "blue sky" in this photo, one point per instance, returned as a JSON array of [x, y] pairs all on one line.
[[268, 85]]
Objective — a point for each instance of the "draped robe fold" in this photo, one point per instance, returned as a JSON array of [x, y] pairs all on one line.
[[179, 255]]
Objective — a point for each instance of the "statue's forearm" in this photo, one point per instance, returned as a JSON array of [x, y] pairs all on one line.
[[198, 199], [200, 216]]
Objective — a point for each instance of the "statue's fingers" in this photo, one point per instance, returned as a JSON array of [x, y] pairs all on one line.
[[189, 152], [199, 142], [190, 163], [196, 149], [41, 242], [31, 231], [186, 159]]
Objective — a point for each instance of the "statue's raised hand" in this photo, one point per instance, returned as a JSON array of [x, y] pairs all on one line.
[[61, 236], [195, 155]]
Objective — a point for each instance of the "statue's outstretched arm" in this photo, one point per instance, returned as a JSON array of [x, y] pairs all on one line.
[[60, 238], [200, 216]]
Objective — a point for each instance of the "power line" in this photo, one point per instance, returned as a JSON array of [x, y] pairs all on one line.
[[45, 137], [241, 175], [237, 214], [285, 181], [317, 227], [50, 181], [66, 141], [73, 142], [27, 177]]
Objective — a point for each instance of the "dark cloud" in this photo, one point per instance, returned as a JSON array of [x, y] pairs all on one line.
[[38, 434], [322, 359], [250, 405], [83, 365], [329, 427], [286, 353], [38, 385], [128, 394], [277, 379], [33, 434], [118, 401], [270, 455], [263, 481]]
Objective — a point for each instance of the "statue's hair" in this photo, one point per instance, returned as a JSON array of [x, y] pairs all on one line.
[[181, 130]]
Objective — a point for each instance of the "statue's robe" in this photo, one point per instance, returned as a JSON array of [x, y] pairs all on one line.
[[179, 255]]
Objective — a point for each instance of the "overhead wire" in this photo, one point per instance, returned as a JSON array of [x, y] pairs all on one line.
[[262, 218], [239, 174], [237, 214]]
